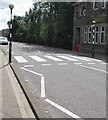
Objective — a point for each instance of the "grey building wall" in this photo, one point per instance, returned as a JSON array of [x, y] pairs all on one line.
[[1, 33], [85, 20]]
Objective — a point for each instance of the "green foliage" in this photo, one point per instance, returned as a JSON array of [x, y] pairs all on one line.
[[46, 23]]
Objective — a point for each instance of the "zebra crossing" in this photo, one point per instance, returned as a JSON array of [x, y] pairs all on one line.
[[56, 58]]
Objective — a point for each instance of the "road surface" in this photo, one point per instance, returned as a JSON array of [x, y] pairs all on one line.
[[71, 86]]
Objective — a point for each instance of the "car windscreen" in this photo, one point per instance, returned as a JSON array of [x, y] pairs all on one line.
[[4, 39]]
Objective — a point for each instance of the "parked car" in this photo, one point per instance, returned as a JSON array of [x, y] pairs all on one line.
[[3, 41]]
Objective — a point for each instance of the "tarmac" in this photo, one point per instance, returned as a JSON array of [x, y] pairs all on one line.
[[13, 102]]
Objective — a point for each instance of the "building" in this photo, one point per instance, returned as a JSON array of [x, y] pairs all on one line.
[[90, 26], [4, 32]]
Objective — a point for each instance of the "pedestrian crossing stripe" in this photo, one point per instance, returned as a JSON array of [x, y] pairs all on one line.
[[68, 58], [53, 58], [38, 59], [80, 58], [20, 59]]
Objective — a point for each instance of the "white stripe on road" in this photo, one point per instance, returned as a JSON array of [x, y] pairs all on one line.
[[94, 68], [81, 58], [62, 109], [53, 58], [104, 63], [67, 58], [46, 64], [93, 59], [62, 63], [38, 59], [20, 59], [42, 81], [32, 71], [28, 65], [42, 87]]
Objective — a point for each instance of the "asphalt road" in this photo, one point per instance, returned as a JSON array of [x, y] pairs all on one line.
[[74, 86]]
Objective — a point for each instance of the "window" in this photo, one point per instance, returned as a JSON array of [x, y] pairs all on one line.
[[83, 11], [103, 4], [102, 35], [95, 5], [89, 35], [85, 35], [97, 34]]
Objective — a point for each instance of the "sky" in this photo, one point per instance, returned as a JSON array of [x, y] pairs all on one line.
[[20, 7]]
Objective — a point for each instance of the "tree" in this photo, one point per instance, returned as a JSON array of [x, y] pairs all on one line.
[[47, 24]]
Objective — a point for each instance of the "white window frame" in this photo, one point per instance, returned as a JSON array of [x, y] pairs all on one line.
[[101, 35], [97, 32], [89, 33], [82, 11], [104, 4], [94, 7], [85, 34]]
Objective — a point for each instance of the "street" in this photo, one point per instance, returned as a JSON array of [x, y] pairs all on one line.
[[71, 86]]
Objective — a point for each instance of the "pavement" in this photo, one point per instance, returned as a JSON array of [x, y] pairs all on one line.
[[13, 102]]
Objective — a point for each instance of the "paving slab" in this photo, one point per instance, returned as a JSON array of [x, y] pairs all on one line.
[[13, 103]]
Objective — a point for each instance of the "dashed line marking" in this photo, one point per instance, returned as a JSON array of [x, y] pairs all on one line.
[[62, 64], [46, 64], [62, 109], [28, 65]]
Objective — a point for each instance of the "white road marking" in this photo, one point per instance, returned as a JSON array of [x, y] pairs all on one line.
[[62, 109], [91, 63], [62, 63], [53, 58], [46, 64], [42, 87], [32, 71], [67, 58], [93, 59], [94, 68], [104, 63], [42, 81], [28, 65], [77, 63], [81, 58], [38, 59], [20, 59]]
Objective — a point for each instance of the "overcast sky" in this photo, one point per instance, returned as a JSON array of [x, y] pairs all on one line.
[[20, 7]]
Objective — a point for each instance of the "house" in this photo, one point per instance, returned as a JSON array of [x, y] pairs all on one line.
[[4, 32], [90, 26]]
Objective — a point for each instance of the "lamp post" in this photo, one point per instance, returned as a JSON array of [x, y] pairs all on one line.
[[93, 37], [11, 6]]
